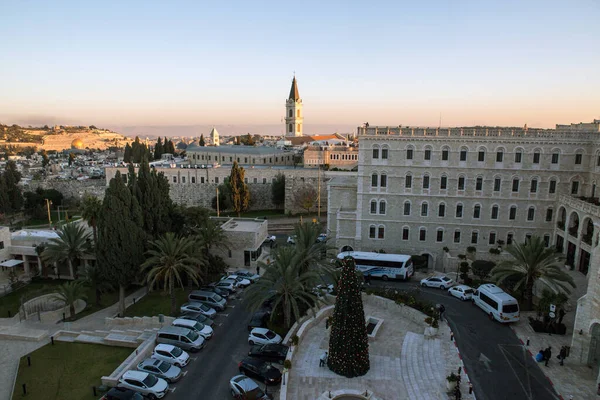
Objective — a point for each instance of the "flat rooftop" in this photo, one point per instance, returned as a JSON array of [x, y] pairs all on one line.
[[241, 224], [258, 150]]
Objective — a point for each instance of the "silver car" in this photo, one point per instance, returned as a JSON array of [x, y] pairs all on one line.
[[160, 369]]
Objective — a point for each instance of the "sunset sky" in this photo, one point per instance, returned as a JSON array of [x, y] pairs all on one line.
[[386, 62]]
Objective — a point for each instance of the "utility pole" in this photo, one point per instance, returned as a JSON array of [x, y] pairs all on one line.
[[218, 214], [48, 202], [319, 186]]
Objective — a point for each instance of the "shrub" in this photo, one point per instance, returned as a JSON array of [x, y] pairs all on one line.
[[452, 377], [287, 364], [462, 257], [471, 249], [495, 251], [403, 297], [482, 268], [500, 242], [295, 340], [446, 249]]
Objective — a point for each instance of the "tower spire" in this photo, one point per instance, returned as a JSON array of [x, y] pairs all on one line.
[[293, 111], [294, 90]]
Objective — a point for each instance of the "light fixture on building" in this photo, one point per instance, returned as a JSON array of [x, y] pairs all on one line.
[[581, 331]]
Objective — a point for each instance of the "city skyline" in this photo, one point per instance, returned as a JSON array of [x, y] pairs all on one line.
[[505, 64]]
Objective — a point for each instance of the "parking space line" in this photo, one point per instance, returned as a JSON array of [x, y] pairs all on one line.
[[225, 315], [172, 390], [185, 373], [193, 358]]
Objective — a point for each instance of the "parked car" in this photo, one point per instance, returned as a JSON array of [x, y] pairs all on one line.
[[242, 281], [209, 299], [161, 369], [462, 292], [320, 290], [226, 285], [259, 319], [196, 316], [248, 275], [260, 370], [263, 336], [269, 352], [322, 237], [122, 393], [184, 338], [198, 307], [203, 330], [145, 383], [221, 292], [439, 281], [291, 239], [243, 387], [171, 354], [271, 239]]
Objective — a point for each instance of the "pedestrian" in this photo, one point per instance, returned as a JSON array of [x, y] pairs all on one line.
[[442, 309], [323, 360], [540, 356], [326, 323], [562, 355], [548, 355], [257, 270]]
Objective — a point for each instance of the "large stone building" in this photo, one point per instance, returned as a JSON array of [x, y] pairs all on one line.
[[420, 190], [244, 155]]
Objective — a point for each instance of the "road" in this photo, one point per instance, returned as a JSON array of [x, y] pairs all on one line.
[[497, 363], [210, 370]]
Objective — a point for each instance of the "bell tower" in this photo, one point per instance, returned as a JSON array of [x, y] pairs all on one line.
[[294, 118]]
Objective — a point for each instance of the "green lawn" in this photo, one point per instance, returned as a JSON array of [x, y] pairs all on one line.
[[156, 302], [106, 300], [67, 371], [12, 301]]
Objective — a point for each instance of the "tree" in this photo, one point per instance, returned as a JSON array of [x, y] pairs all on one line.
[[247, 140], [128, 154], [169, 147], [348, 343], [170, 259], [11, 199], [120, 236], [69, 293], [237, 141], [533, 262], [202, 142], [158, 149], [278, 190], [305, 198], [72, 244], [312, 250], [210, 234], [240, 195], [71, 159], [90, 211], [224, 197], [45, 159], [482, 268], [282, 282], [93, 276]]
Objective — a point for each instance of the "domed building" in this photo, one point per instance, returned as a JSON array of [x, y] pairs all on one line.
[[77, 144]]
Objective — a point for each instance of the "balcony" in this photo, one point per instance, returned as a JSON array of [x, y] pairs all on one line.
[[588, 205]]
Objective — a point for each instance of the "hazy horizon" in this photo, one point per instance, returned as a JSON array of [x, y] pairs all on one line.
[[185, 63]]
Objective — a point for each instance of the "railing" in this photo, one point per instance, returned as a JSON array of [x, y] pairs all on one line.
[[580, 205]]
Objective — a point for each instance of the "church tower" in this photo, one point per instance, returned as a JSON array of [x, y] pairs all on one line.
[[294, 118], [214, 137]]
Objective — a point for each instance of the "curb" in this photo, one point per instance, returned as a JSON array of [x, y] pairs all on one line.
[[464, 369]]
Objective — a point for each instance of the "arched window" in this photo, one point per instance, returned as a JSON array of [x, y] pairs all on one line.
[[479, 183], [481, 154], [290, 127], [290, 113], [427, 153], [375, 151], [405, 233], [463, 153], [461, 182], [459, 210], [372, 231], [410, 152], [500, 154], [426, 181], [381, 232], [406, 210], [531, 213], [443, 182], [512, 213], [477, 211], [424, 209], [383, 180], [442, 210], [422, 234], [385, 152], [408, 181], [439, 235], [445, 153], [495, 210], [382, 207], [374, 179], [518, 155], [373, 206]]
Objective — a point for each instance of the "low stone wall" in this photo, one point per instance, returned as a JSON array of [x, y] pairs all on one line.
[[138, 322], [71, 188], [49, 316], [142, 352], [407, 312]]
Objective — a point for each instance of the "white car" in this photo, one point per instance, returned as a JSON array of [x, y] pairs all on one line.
[[244, 273], [203, 330], [226, 284], [291, 239], [171, 354], [144, 383], [198, 307], [462, 292], [263, 336], [271, 239], [242, 282], [440, 281]]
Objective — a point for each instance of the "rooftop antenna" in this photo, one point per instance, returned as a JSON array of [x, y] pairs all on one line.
[[440, 125]]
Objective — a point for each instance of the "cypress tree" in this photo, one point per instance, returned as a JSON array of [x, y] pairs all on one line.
[[120, 237], [158, 149], [240, 195], [349, 343], [12, 198], [127, 155], [202, 142]]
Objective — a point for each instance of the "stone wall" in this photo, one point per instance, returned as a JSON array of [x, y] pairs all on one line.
[[138, 322], [71, 188]]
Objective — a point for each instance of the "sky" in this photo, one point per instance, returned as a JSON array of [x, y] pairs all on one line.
[[169, 63]]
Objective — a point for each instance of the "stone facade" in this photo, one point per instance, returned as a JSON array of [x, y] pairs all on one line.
[[243, 155], [245, 237], [71, 188], [344, 157]]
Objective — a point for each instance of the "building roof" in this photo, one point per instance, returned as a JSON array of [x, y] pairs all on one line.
[[241, 224], [300, 140], [258, 150], [294, 90]]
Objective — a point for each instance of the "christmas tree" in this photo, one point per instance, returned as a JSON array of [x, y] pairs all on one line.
[[349, 343]]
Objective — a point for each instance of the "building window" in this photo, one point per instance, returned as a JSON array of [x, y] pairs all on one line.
[[245, 180], [574, 187], [547, 240], [463, 155], [193, 179], [442, 210], [497, 184], [264, 180], [409, 154], [424, 209], [405, 233], [229, 253], [201, 179], [422, 234], [255, 180], [554, 158], [474, 237], [457, 236], [216, 179], [461, 183], [183, 179], [445, 154], [426, 182], [372, 231], [408, 182], [512, 213], [373, 207], [381, 232], [530, 214], [598, 161], [552, 187], [459, 210], [481, 156], [549, 213], [509, 238], [492, 238], [534, 185], [174, 179], [374, 179], [427, 155], [477, 211], [499, 156], [479, 183], [494, 212], [515, 185], [375, 153], [407, 208], [444, 183], [382, 205], [440, 236], [578, 158], [384, 153], [518, 157], [383, 180], [536, 157]]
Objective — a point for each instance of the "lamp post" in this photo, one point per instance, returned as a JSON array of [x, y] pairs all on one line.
[[48, 203]]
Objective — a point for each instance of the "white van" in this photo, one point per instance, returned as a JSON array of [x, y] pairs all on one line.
[[498, 304]]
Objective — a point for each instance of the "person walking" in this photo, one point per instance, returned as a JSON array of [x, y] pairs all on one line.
[[442, 309], [562, 355], [323, 360], [548, 355], [257, 270]]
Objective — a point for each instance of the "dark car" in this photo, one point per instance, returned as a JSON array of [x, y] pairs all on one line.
[[269, 352], [259, 319], [120, 393], [260, 370], [196, 316], [219, 291]]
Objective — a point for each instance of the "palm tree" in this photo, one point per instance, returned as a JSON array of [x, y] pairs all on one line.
[[69, 293], [90, 211], [93, 277], [72, 244], [171, 259], [283, 282], [312, 250], [533, 261], [210, 234]]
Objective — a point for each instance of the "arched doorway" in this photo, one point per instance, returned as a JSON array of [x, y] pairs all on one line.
[[347, 248], [594, 353]]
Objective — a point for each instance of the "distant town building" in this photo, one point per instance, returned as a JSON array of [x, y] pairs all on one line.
[[246, 237], [334, 156], [294, 117], [246, 155], [214, 137]]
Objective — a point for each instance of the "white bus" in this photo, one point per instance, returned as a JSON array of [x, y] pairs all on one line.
[[499, 305], [378, 265]]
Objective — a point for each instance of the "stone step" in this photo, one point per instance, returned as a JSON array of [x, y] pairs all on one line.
[[89, 339]]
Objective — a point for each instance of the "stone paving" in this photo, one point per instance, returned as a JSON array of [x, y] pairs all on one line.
[[404, 364]]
